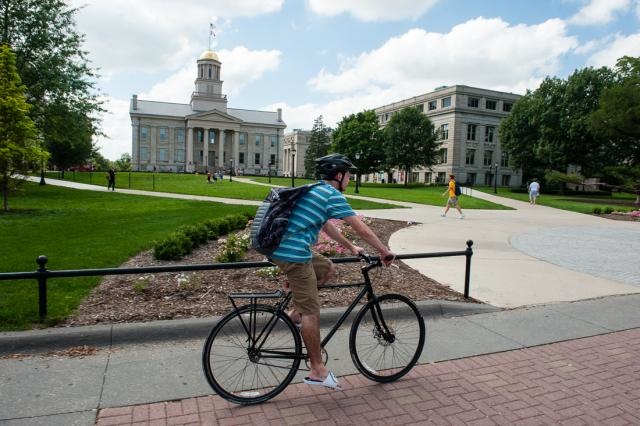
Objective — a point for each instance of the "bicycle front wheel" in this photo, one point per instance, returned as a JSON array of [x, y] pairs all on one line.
[[252, 354], [387, 337]]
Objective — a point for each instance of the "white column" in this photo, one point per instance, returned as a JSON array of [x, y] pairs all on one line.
[[189, 158], [236, 148], [221, 149], [205, 149]]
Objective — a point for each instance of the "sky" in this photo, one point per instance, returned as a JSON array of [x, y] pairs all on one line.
[[338, 57]]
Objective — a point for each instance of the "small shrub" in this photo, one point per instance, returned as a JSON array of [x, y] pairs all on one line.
[[141, 285], [597, 210], [608, 210], [174, 247], [268, 272], [234, 248], [223, 226], [197, 233], [213, 228]]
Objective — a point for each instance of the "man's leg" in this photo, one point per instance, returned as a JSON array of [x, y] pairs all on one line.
[[311, 337]]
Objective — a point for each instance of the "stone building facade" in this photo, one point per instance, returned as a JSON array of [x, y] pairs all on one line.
[[294, 150], [466, 120], [205, 134]]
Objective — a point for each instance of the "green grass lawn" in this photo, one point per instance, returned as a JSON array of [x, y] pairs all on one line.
[[77, 230], [192, 184], [575, 203], [420, 194]]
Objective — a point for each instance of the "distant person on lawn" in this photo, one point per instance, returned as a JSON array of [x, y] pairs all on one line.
[[453, 198]]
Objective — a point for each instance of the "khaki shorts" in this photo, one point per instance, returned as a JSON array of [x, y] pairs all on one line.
[[303, 279], [453, 201]]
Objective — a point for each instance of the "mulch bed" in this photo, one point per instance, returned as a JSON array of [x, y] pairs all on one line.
[[139, 298]]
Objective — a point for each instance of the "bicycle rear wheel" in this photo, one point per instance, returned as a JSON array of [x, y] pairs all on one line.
[[252, 354], [387, 337]]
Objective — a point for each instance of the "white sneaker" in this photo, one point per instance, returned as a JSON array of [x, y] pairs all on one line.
[[461, 216], [443, 215]]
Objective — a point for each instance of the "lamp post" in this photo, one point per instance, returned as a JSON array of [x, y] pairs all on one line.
[[495, 180], [357, 174], [270, 164], [293, 167], [42, 182]]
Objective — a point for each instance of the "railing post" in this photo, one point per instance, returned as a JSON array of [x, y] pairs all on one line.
[[42, 286], [467, 270]]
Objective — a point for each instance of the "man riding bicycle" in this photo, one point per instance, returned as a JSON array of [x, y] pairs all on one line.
[[305, 269]]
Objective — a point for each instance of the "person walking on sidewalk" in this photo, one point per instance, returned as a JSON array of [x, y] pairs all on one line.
[[111, 179], [534, 191], [306, 270], [453, 197]]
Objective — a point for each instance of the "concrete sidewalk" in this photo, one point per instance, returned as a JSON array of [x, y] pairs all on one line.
[[54, 389]]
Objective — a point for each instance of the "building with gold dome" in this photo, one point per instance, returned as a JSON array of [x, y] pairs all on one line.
[[205, 134]]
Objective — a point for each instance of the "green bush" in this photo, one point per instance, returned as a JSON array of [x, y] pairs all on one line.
[[197, 233], [213, 229], [597, 210], [174, 247], [234, 249], [608, 210], [223, 226]]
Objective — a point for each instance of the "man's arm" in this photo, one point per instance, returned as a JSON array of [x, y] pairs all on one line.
[[367, 234]]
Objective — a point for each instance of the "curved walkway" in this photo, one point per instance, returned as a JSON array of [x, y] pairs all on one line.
[[530, 255]]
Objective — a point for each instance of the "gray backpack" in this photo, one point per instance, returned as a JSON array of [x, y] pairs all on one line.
[[272, 217]]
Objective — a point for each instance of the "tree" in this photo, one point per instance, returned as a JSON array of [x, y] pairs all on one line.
[[319, 143], [124, 163], [410, 141], [19, 147], [358, 136], [67, 136], [617, 119], [52, 65]]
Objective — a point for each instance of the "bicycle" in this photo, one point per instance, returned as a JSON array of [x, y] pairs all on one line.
[[254, 352]]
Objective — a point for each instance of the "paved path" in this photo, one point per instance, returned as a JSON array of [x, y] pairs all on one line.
[[591, 381]]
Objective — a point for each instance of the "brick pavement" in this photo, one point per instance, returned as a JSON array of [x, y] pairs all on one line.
[[595, 380]]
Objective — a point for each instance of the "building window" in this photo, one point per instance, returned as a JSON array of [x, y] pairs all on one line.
[[243, 139], [506, 106], [200, 137], [274, 141], [241, 157], [427, 177], [488, 158], [258, 140], [272, 160], [470, 158], [386, 116], [473, 102], [201, 157], [506, 180], [444, 131], [489, 131], [163, 154], [432, 105], [256, 160], [144, 134], [504, 159], [163, 134], [471, 178], [471, 132], [440, 177], [180, 155], [420, 107], [491, 104], [443, 156], [446, 102], [144, 154], [180, 136]]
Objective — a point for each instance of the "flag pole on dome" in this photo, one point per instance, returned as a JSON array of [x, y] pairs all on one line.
[[211, 33]]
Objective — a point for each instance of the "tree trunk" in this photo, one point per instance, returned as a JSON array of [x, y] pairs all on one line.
[[5, 195]]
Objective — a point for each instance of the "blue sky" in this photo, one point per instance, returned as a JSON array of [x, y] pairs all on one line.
[[336, 57]]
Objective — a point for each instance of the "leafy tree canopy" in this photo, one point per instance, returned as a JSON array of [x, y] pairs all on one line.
[[358, 136], [319, 143], [410, 141]]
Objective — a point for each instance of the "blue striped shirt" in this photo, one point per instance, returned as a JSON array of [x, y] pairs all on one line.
[[321, 203]]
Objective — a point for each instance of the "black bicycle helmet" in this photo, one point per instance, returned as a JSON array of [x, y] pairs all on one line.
[[329, 166]]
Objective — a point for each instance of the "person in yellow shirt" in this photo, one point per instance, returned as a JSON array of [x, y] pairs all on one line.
[[453, 198]]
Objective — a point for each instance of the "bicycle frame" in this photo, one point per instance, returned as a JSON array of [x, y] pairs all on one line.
[[256, 342]]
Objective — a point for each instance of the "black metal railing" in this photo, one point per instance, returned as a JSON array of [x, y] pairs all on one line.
[[42, 274]]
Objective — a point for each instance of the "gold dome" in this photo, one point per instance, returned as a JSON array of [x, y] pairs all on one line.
[[209, 54]]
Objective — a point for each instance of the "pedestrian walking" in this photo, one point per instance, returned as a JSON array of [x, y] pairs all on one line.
[[534, 191], [306, 270], [452, 201], [111, 179]]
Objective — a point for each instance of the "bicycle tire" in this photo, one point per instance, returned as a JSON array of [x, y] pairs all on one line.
[[387, 358], [244, 377]]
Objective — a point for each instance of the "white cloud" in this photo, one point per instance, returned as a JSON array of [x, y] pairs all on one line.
[[599, 12], [117, 125], [373, 10], [145, 35], [480, 52], [619, 47]]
